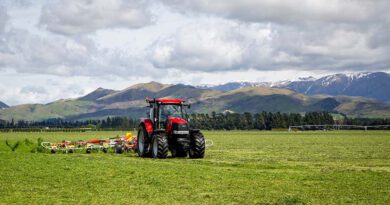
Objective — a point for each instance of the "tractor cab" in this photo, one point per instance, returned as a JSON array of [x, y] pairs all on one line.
[[164, 111], [167, 129]]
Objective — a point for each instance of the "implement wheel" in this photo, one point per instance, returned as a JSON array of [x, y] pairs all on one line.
[[105, 150], [118, 149]]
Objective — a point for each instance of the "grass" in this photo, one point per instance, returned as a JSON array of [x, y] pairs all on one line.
[[350, 167]]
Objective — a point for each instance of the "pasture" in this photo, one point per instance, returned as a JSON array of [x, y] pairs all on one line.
[[243, 167]]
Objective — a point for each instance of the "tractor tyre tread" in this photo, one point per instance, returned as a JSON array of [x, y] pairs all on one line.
[[162, 146], [146, 152], [197, 146]]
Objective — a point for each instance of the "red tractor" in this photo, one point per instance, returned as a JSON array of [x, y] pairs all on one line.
[[166, 128]]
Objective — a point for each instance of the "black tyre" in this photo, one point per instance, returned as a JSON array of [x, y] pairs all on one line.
[[118, 149], [88, 150], [53, 151], [143, 146], [160, 146], [70, 151], [197, 146], [105, 150]]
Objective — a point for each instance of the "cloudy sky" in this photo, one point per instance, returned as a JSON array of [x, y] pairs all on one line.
[[60, 49]]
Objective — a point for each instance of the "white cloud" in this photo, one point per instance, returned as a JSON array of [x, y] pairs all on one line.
[[30, 53], [74, 17], [24, 52], [229, 45], [330, 48], [213, 46], [288, 12], [322, 34], [3, 18]]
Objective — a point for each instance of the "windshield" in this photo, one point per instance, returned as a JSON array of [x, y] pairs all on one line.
[[170, 111]]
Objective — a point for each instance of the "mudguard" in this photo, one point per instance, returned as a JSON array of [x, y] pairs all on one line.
[[148, 124]]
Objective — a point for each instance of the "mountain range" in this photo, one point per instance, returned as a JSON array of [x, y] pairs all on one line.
[[374, 85], [131, 102]]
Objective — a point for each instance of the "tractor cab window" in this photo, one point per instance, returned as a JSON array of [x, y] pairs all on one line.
[[151, 113], [169, 111]]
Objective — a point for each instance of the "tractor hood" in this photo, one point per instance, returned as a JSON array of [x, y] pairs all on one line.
[[177, 120]]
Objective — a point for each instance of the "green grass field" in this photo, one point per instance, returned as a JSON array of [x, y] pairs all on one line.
[[349, 167]]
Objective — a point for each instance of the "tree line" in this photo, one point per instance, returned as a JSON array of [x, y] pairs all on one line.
[[366, 121], [257, 121]]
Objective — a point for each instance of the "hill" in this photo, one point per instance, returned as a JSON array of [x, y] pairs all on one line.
[[131, 102], [57, 109], [95, 95]]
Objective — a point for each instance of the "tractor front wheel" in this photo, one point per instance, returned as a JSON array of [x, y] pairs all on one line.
[[197, 145], [160, 146]]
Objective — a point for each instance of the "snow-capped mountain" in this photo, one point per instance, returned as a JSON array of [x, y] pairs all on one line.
[[372, 85]]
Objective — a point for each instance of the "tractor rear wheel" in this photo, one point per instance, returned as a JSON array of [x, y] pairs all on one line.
[[197, 145], [160, 146], [141, 142]]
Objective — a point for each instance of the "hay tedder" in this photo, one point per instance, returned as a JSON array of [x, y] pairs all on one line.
[[118, 145]]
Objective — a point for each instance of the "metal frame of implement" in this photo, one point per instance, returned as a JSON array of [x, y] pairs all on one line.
[[119, 144]]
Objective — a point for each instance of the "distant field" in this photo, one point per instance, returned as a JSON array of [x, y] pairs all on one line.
[[348, 167]]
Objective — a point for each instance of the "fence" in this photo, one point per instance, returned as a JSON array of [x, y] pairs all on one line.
[[339, 127]]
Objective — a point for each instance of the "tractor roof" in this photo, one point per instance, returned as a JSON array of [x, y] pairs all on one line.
[[165, 100]]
